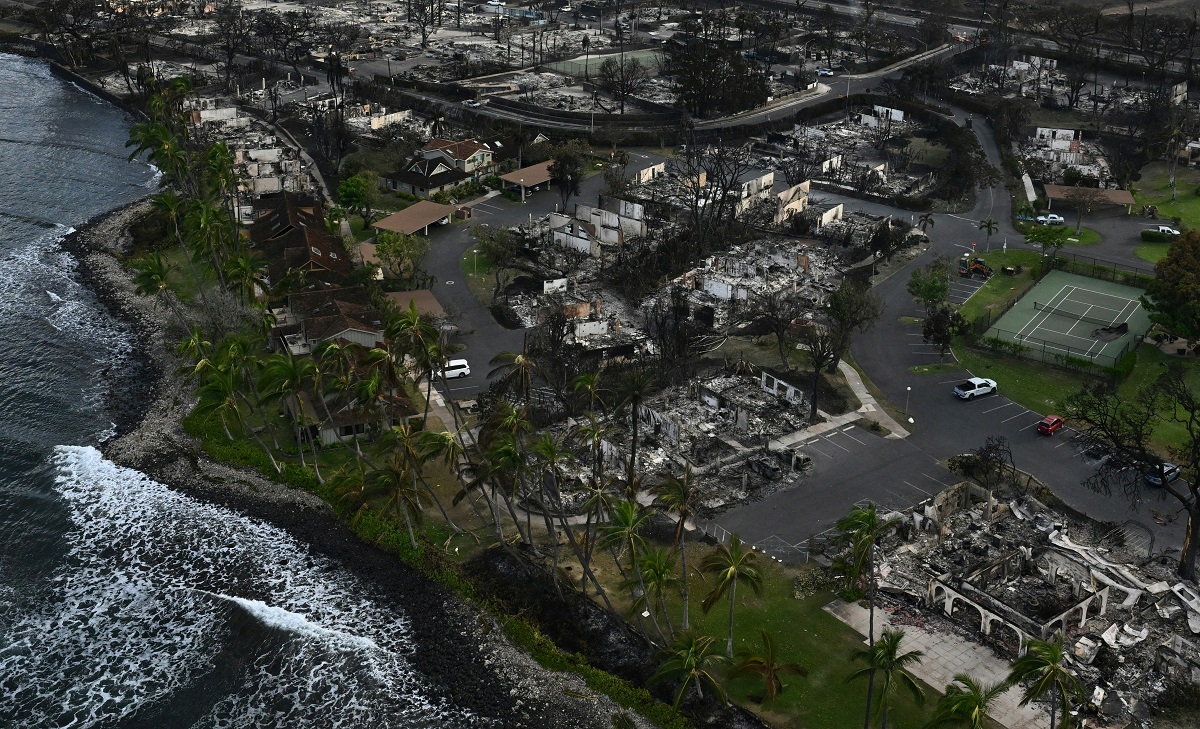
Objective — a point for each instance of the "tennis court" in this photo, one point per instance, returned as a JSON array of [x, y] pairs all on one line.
[[1074, 317]]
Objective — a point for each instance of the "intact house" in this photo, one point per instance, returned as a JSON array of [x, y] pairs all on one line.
[[291, 236], [321, 314], [440, 166]]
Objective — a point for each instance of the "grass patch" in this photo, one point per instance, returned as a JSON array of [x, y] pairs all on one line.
[[1035, 385], [804, 633], [1154, 188], [184, 276], [936, 367], [995, 295], [1151, 362], [1152, 252], [1085, 237], [480, 274], [912, 321]]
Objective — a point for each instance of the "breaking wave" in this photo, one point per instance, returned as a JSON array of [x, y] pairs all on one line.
[[161, 599]]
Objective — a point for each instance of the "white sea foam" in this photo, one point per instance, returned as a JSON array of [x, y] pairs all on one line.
[[154, 595], [154, 180]]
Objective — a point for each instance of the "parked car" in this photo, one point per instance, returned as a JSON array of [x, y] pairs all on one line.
[[1170, 470], [974, 387], [1050, 219], [472, 103], [1050, 425], [1164, 229], [456, 368], [824, 72]]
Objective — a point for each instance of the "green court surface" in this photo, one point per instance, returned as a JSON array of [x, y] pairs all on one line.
[[1066, 316], [591, 63]]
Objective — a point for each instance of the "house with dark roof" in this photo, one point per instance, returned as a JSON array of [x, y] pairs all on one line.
[[291, 236], [330, 314], [440, 166]]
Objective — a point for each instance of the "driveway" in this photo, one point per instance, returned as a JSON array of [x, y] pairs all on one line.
[[482, 338]]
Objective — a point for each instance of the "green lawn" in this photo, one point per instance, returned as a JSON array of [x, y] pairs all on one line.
[[183, 277], [1152, 252], [804, 633], [1035, 385], [480, 275], [1000, 288], [1154, 188], [1085, 237], [1150, 363]]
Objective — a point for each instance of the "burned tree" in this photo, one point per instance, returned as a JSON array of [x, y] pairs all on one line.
[[623, 78], [777, 311], [1120, 431]]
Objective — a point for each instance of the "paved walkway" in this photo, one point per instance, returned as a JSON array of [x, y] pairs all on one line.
[[945, 656]]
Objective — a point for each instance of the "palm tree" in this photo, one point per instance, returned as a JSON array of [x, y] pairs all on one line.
[[245, 273], [626, 521], [966, 703], [220, 396], [410, 449], [589, 383], [1043, 666], [153, 279], [990, 227], [635, 388], [690, 661], [508, 457], [768, 667], [925, 222], [859, 532], [657, 567], [587, 44], [731, 564], [678, 496], [397, 481], [884, 658], [516, 371], [285, 377]]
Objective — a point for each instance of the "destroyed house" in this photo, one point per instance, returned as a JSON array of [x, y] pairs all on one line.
[[290, 235]]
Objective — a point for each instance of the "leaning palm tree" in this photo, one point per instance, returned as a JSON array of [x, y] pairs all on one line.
[[1044, 667], [396, 480], [657, 568], [731, 564], [859, 532], [678, 496], [516, 371], [626, 521], [690, 661], [885, 659], [153, 279], [966, 703], [768, 667], [285, 378], [635, 388]]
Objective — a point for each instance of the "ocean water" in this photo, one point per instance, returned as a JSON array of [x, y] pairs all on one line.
[[122, 603]]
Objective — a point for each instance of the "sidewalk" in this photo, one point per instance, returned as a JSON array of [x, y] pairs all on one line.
[[945, 656]]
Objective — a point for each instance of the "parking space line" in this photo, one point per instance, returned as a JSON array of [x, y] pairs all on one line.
[[856, 440], [839, 445], [1018, 415], [818, 450], [1034, 423], [918, 488], [935, 480], [999, 408], [950, 382]]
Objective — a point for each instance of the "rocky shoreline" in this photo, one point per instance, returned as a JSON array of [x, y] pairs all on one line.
[[459, 648]]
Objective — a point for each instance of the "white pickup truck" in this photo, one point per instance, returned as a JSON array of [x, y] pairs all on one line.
[[1166, 229]]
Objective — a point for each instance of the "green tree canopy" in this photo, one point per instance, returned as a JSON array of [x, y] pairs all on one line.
[[360, 193], [1173, 298]]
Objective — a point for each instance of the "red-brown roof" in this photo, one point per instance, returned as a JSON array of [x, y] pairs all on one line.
[[529, 176], [462, 149], [414, 218], [1110, 197]]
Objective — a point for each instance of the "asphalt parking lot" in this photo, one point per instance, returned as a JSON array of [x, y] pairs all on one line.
[[850, 465]]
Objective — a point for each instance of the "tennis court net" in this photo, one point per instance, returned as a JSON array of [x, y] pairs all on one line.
[[1038, 306]]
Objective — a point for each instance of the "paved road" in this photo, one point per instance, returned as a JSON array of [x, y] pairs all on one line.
[[946, 425], [481, 336]]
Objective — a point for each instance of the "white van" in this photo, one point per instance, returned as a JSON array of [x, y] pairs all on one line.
[[456, 368]]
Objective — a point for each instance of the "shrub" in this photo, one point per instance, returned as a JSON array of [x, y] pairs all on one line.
[[1154, 236], [914, 202]]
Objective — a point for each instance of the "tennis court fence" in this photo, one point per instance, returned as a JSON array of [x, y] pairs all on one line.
[[1103, 270], [1064, 355]]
